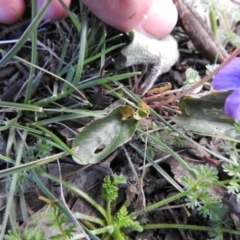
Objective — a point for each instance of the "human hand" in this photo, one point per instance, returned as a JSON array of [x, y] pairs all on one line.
[[55, 10], [11, 11], [155, 18]]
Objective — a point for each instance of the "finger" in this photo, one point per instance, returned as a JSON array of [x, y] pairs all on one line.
[[151, 17]]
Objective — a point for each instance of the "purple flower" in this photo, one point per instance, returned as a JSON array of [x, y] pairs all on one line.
[[228, 78]]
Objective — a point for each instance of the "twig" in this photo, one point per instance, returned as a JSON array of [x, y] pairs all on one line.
[[205, 79]]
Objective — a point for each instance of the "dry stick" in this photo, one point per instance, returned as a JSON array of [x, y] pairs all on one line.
[[159, 96], [99, 94], [205, 79]]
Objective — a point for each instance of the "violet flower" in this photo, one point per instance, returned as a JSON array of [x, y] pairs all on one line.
[[228, 78]]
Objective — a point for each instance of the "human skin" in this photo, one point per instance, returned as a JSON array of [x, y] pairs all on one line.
[[55, 10], [11, 10], [155, 18]]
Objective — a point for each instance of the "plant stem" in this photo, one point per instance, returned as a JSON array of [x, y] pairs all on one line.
[[189, 227], [161, 203], [213, 21]]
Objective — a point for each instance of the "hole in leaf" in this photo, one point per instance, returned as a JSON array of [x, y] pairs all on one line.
[[100, 148]]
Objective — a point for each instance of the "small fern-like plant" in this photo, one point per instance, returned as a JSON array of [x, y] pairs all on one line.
[[121, 219], [63, 228], [27, 234], [40, 149], [60, 221], [201, 198]]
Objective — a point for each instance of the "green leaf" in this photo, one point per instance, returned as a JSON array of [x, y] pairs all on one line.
[[205, 116], [192, 77], [101, 137], [204, 127], [209, 107], [122, 219], [119, 179], [110, 192]]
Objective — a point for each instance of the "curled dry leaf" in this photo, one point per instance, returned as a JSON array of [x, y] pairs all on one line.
[[161, 55]]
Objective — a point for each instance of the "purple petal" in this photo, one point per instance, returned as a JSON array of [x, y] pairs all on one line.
[[232, 105], [228, 78]]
